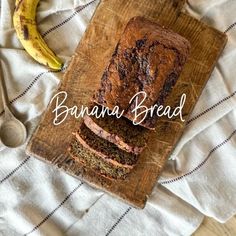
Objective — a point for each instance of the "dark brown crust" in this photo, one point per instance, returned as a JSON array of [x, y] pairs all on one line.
[[147, 58]]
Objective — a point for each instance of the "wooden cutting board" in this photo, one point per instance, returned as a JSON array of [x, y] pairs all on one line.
[[49, 143]]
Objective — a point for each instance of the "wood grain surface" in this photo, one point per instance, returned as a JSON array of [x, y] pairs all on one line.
[[210, 227], [82, 78]]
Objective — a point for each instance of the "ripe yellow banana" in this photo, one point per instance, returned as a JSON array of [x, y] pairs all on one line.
[[27, 32]]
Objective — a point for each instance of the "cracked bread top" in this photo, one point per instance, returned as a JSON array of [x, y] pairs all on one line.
[[147, 58]]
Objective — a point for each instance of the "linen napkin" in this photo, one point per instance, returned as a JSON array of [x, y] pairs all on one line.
[[38, 199], [203, 166]]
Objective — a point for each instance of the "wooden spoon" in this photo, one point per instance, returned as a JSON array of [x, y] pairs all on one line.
[[12, 131]]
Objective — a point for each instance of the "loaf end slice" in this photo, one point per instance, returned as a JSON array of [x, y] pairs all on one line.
[[119, 131]]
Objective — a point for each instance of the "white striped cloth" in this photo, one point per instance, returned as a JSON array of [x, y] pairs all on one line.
[[200, 179]]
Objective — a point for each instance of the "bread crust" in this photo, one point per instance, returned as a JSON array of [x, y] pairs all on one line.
[[147, 58]]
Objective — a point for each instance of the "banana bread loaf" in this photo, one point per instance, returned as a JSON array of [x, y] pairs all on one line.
[[148, 58]]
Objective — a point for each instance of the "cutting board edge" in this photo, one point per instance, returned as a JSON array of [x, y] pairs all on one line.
[[136, 203], [223, 35]]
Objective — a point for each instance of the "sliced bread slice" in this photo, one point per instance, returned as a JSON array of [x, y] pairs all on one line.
[[89, 160], [102, 154], [121, 132]]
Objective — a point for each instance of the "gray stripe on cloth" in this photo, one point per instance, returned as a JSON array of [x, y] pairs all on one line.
[[118, 221], [230, 27], [15, 170], [211, 108], [77, 10], [52, 212], [201, 164], [29, 87]]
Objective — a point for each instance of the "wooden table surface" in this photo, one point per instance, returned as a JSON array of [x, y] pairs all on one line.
[[211, 227]]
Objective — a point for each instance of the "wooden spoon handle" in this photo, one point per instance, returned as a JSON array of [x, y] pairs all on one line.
[[3, 91]]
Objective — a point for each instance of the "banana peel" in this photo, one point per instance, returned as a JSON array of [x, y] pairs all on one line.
[[24, 21]]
